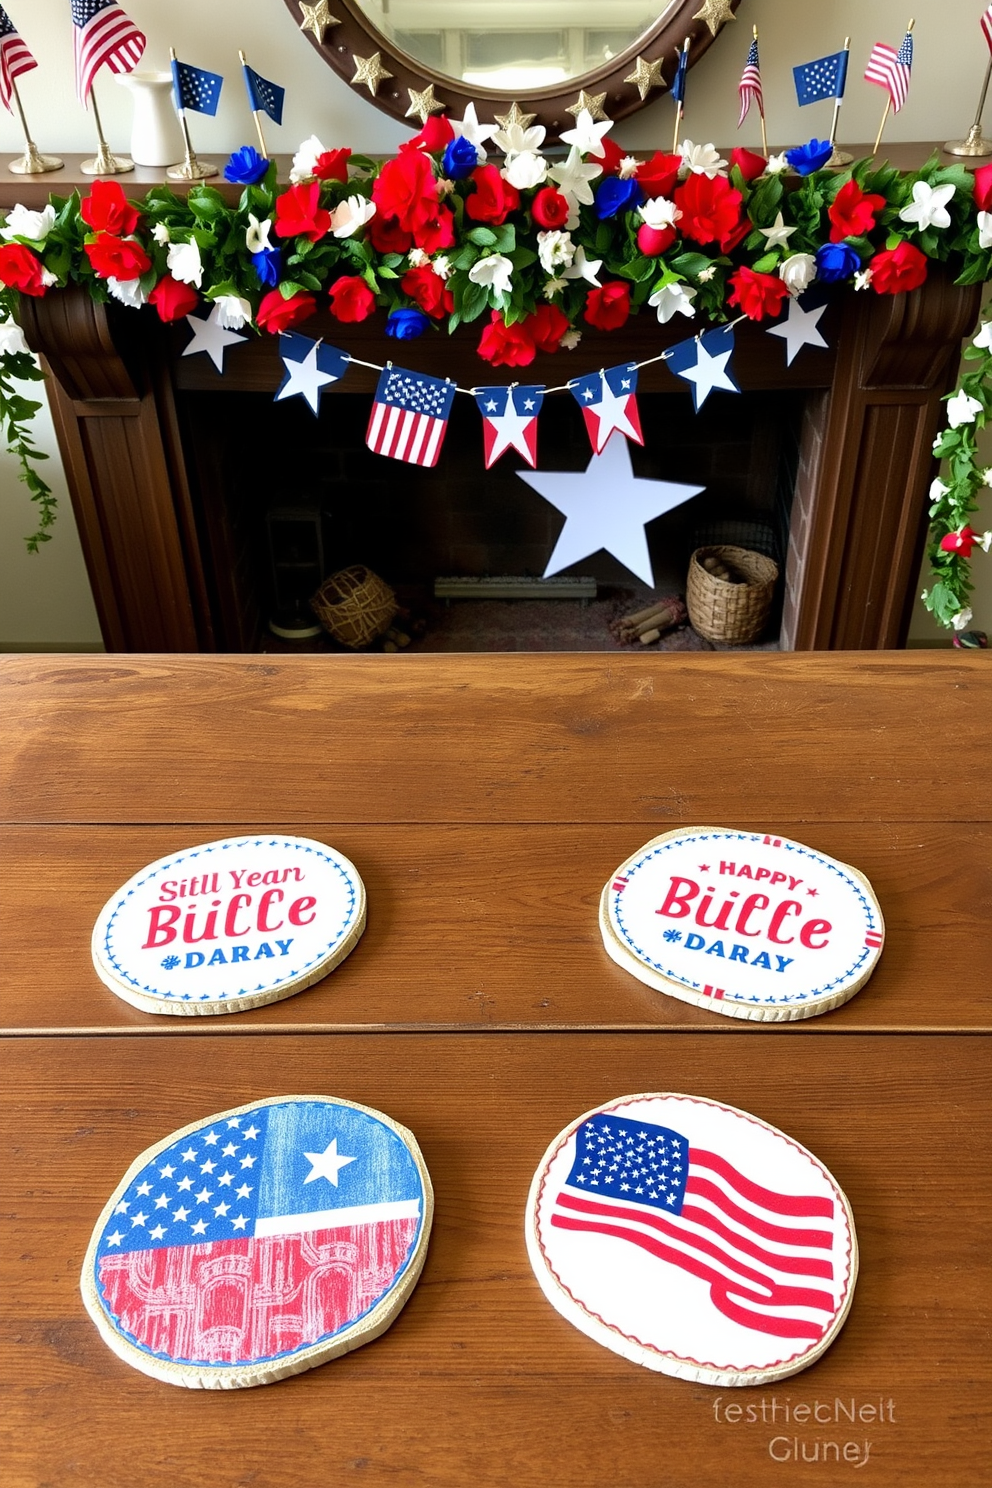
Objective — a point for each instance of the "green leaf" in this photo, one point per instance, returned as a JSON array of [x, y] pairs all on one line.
[[484, 237]]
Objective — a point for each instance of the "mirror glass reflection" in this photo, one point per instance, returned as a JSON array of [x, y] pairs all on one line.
[[513, 46]]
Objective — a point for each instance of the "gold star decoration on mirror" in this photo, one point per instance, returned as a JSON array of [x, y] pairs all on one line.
[[591, 101], [370, 71], [317, 18], [422, 105], [515, 116], [646, 75], [715, 13]]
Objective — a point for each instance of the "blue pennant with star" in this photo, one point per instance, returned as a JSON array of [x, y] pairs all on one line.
[[509, 421], [704, 362], [310, 367]]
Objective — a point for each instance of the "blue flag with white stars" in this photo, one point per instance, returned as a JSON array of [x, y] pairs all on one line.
[[824, 78], [195, 88], [264, 97]]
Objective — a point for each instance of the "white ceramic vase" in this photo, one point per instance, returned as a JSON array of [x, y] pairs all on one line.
[[156, 138]]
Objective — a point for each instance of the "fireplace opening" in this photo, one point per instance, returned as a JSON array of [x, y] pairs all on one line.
[[283, 499]]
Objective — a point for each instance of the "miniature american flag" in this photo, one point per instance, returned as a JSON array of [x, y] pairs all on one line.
[[14, 57], [749, 86], [892, 69], [767, 1256], [410, 416], [103, 34], [987, 26]]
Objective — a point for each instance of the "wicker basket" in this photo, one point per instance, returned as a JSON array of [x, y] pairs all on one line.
[[355, 606], [723, 611]]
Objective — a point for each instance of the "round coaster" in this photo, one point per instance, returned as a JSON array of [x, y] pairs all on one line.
[[260, 1242], [747, 925], [694, 1239], [229, 925]]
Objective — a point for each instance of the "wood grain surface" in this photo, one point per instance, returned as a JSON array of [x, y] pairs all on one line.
[[495, 926], [479, 1380]]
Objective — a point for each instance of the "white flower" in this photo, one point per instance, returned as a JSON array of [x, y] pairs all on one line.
[[232, 312], [777, 165], [48, 278], [584, 268], [862, 278], [305, 160], [442, 266], [416, 258], [961, 619], [473, 131], [938, 490], [987, 476], [185, 263], [516, 140], [553, 287], [701, 160], [494, 272], [673, 299], [984, 338], [628, 167], [985, 541], [257, 234], [23, 223], [554, 248], [128, 291], [797, 273], [573, 178], [929, 206], [985, 229], [659, 212], [350, 215], [161, 234], [525, 170], [12, 337], [961, 409], [570, 340], [587, 136], [705, 275]]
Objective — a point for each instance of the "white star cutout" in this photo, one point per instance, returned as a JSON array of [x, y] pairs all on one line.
[[709, 372], [252, 1132], [510, 428], [778, 233], [115, 1238], [180, 1213], [211, 337], [240, 1222], [305, 379], [326, 1164], [612, 412], [200, 1228], [143, 1189], [156, 1233], [211, 1139], [799, 329]]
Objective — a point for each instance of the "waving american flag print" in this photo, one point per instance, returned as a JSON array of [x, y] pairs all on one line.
[[103, 33]]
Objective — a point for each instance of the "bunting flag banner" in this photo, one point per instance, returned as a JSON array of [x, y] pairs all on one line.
[[14, 58], [704, 362], [264, 97], [195, 88], [824, 78], [608, 401], [986, 24], [749, 86], [694, 1239], [892, 69], [103, 34], [410, 416], [509, 421], [260, 1242], [211, 337], [310, 367], [799, 327]]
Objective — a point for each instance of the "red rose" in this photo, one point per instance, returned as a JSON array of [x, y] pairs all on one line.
[[608, 308], [711, 208], [173, 300], [983, 188], [657, 176], [653, 241], [332, 165], [757, 294], [21, 269], [386, 235], [436, 232], [852, 212], [609, 157], [300, 215], [549, 208], [117, 258], [506, 346], [736, 235], [108, 210], [748, 163], [435, 135], [547, 325], [406, 189], [351, 299], [901, 268], [429, 291], [277, 314], [493, 198]]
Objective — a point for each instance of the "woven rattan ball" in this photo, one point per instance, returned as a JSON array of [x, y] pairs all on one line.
[[722, 610], [355, 606]]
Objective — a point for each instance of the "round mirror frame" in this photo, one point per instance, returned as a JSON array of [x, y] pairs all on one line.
[[366, 60]]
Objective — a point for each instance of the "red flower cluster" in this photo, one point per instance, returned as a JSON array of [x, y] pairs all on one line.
[[517, 345], [852, 213], [898, 269], [607, 308], [117, 258], [172, 299], [21, 269], [429, 291], [108, 210], [351, 299], [276, 314], [300, 215], [408, 209], [332, 165], [757, 294], [711, 211], [493, 199]]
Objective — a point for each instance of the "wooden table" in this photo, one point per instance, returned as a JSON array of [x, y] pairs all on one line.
[[485, 800]]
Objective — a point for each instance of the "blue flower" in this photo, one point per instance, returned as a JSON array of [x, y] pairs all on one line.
[[805, 159], [407, 325], [245, 167], [268, 266], [615, 196], [460, 159], [835, 261]]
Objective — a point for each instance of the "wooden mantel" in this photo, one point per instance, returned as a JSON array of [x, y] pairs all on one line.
[[859, 515]]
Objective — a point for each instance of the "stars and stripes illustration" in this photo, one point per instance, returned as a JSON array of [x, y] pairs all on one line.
[[195, 88], [509, 421], [891, 69], [410, 416], [825, 77], [14, 58], [103, 35], [608, 401], [749, 86]]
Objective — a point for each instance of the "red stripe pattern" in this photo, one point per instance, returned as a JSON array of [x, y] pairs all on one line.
[[987, 26], [14, 58], [410, 416], [104, 34], [891, 69]]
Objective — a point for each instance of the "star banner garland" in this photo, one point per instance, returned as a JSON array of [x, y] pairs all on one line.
[[608, 402], [509, 421]]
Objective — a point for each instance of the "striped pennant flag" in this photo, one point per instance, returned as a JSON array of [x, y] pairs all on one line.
[[410, 416], [891, 69], [749, 86], [986, 24], [103, 34], [14, 57]]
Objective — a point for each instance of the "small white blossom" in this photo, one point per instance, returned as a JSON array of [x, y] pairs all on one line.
[[573, 178], [961, 409], [929, 206], [985, 229], [185, 263], [555, 249], [701, 160], [48, 278], [232, 312], [516, 140], [495, 271], [862, 279], [161, 234], [584, 268], [416, 258], [985, 541], [987, 476], [257, 234], [628, 167], [938, 490], [23, 223], [570, 340], [659, 212], [777, 165], [984, 338], [350, 215], [797, 273], [553, 287], [673, 299], [12, 337], [305, 160], [442, 266], [961, 619], [477, 134], [526, 170], [128, 291], [587, 136], [705, 275]]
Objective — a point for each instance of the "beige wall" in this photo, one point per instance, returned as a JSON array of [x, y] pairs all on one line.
[[44, 599]]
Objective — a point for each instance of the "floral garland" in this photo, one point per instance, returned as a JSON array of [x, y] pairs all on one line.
[[533, 246]]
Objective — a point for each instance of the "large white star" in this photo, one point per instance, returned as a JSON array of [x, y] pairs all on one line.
[[510, 429], [799, 329], [710, 372], [326, 1164], [210, 336], [607, 507], [305, 379]]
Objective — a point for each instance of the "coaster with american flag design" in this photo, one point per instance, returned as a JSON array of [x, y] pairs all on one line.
[[260, 1242], [694, 1239], [747, 924]]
